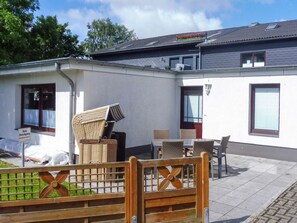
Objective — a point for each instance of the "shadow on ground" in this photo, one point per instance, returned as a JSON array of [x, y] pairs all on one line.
[[237, 220]]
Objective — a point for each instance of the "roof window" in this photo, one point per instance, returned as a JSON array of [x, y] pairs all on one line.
[[126, 46], [152, 43], [254, 24], [272, 26]]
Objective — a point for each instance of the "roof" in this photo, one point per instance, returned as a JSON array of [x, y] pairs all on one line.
[[250, 33], [257, 32], [151, 43]]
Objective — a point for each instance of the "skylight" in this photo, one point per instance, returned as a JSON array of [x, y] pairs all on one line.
[[272, 26], [126, 46], [254, 24], [152, 43]]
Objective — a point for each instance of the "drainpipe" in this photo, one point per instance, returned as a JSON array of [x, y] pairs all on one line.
[[200, 59], [71, 109]]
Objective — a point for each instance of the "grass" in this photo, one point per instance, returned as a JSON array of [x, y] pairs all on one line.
[[5, 165], [27, 186]]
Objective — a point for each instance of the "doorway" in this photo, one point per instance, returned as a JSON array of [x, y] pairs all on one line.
[[191, 109]]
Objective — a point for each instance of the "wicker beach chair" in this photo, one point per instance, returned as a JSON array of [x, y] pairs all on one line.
[[91, 130]]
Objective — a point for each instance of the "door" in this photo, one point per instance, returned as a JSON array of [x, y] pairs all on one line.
[[191, 109]]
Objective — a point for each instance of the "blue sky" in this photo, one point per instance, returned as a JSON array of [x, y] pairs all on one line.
[[160, 17]]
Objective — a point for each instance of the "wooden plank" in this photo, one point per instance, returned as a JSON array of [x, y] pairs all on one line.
[[170, 162], [60, 168], [199, 192], [179, 215], [4, 204], [188, 220], [170, 201], [205, 184], [133, 173], [64, 214], [140, 193], [99, 141], [168, 193], [111, 221]]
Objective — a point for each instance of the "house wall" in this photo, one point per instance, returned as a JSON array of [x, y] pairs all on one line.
[[226, 110], [154, 58], [10, 107], [277, 54], [147, 99]]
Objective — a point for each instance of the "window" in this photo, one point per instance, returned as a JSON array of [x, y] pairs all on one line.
[[188, 62], [265, 108], [38, 107], [253, 59], [192, 105], [173, 62]]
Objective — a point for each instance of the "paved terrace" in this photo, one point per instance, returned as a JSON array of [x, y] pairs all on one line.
[[250, 187]]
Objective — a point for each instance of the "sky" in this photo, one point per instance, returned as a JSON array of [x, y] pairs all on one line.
[[149, 18]]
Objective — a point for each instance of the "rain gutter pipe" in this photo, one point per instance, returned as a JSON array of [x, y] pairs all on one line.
[[200, 59], [71, 109]]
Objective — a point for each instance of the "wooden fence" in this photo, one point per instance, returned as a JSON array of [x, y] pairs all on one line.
[[142, 191]]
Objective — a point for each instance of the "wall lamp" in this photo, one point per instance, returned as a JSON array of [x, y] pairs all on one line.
[[207, 88]]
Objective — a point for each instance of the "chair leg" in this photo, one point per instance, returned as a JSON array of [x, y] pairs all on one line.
[[226, 166]]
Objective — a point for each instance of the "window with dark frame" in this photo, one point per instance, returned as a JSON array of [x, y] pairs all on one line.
[[172, 62], [39, 107], [188, 62], [255, 59], [265, 107]]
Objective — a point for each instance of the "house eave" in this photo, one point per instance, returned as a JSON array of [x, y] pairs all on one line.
[[67, 64], [240, 72]]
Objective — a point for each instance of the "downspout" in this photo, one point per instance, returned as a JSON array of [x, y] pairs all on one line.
[[200, 59], [71, 109]]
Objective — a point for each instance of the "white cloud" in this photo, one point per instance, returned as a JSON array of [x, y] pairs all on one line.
[[155, 17], [155, 22], [78, 19]]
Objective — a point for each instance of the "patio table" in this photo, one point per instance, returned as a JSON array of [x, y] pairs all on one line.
[[188, 143]]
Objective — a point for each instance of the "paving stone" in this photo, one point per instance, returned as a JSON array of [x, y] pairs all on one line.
[[282, 210]]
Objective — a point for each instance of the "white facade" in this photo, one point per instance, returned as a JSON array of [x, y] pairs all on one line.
[[146, 97], [226, 110], [149, 99]]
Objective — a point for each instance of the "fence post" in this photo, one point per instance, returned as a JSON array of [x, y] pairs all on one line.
[[205, 187], [133, 190]]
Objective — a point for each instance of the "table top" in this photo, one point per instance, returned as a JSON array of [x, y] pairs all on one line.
[[187, 142]]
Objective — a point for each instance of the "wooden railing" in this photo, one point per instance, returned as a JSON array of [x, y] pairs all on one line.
[[132, 191]]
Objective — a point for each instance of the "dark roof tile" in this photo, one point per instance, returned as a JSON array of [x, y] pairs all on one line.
[[251, 33]]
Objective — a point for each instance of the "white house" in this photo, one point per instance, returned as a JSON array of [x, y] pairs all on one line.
[[40, 94]]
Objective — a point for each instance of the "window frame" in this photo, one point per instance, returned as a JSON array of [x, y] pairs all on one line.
[[41, 87], [188, 57], [254, 130], [171, 59], [253, 58]]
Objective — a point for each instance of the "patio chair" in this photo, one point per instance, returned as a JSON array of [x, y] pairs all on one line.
[[205, 146], [187, 134], [160, 134], [172, 149], [224, 143]]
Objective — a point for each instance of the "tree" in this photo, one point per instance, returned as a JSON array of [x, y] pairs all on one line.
[[23, 40], [53, 40], [16, 18], [102, 33]]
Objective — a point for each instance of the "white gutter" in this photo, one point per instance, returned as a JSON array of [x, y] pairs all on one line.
[[72, 106]]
